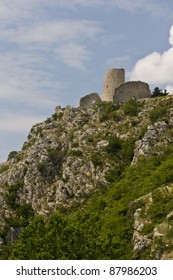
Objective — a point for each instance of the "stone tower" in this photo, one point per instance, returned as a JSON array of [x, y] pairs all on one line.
[[113, 79]]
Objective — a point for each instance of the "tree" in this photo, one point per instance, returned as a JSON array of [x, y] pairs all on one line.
[[158, 92]]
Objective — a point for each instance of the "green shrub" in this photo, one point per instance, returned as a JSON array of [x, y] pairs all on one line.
[[48, 120], [132, 107], [96, 159], [75, 144], [55, 116], [42, 167], [12, 155], [143, 131], [77, 153], [114, 145], [11, 194], [114, 174], [55, 156], [107, 110], [147, 229], [3, 168], [158, 113]]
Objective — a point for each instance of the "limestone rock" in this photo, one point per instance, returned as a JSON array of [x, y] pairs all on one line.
[[145, 146]]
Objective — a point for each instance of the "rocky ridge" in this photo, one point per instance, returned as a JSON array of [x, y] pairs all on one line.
[[64, 159]]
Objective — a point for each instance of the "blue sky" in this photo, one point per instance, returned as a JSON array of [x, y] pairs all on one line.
[[54, 52]]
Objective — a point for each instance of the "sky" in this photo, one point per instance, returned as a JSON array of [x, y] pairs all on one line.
[[53, 52]]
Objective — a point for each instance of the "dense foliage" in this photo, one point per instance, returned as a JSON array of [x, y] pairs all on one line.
[[158, 92]]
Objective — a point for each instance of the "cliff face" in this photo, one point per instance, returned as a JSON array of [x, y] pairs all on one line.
[[78, 152]]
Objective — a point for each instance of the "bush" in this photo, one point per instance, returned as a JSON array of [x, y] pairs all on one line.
[[55, 156], [42, 167], [108, 111], [147, 229], [3, 168], [12, 155], [132, 107], [11, 194], [77, 153], [158, 113], [96, 159], [158, 92], [114, 145]]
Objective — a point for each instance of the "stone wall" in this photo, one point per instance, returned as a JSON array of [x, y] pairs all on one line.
[[89, 100], [128, 90], [113, 79]]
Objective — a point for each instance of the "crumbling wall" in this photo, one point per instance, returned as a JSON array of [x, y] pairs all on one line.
[[128, 90], [89, 100]]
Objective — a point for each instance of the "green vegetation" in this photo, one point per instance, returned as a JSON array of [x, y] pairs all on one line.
[[108, 111], [21, 217], [158, 92], [132, 107], [103, 229], [55, 156], [147, 229], [42, 167], [158, 113], [76, 153], [11, 194], [103, 226], [12, 154], [3, 168], [96, 159]]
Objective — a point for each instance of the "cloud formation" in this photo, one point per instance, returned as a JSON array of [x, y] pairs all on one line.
[[156, 68]]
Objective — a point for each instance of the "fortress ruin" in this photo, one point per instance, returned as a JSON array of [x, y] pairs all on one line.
[[113, 79], [115, 89]]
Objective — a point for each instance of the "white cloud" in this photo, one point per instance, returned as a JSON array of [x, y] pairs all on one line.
[[22, 81], [18, 10], [171, 36], [73, 55], [52, 35], [169, 89], [155, 68], [51, 32]]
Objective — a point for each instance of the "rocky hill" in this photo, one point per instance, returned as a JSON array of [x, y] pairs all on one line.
[[92, 183]]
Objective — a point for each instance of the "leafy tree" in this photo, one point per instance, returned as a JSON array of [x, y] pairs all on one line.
[[158, 92]]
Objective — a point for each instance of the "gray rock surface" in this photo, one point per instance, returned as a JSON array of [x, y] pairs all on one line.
[[90, 100]]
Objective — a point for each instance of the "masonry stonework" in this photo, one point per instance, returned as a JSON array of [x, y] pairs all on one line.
[[90, 100], [113, 79], [128, 90], [116, 90]]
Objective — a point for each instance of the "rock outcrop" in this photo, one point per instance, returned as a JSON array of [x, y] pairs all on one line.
[[77, 152]]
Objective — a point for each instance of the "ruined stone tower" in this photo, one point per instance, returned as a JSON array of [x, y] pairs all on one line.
[[113, 79]]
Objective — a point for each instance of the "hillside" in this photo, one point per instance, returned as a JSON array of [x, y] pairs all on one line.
[[92, 183]]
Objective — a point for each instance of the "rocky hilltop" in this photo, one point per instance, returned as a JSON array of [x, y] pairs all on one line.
[[80, 154]]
